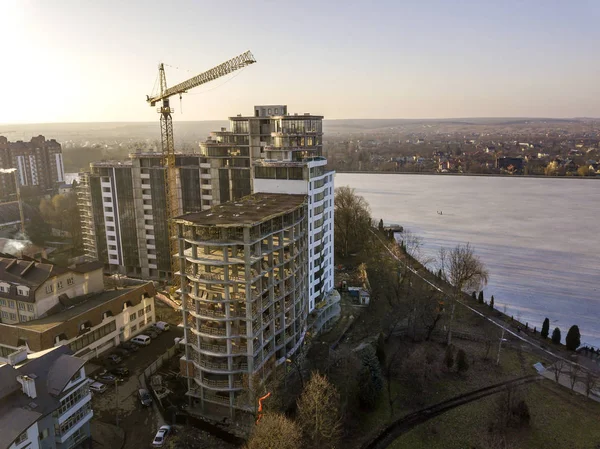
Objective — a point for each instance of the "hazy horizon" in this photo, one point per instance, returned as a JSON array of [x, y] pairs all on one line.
[[73, 62]]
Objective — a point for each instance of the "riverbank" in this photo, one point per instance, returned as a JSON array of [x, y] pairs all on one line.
[[483, 175]]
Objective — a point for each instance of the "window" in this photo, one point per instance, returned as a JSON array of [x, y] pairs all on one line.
[[70, 281], [21, 306], [108, 209], [21, 438], [133, 328], [49, 288], [22, 291], [77, 416], [141, 313], [2, 301], [59, 285], [43, 434], [22, 318], [5, 315], [90, 337], [13, 317], [68, 402], [30, 308], [132, 317], [3, 288], [148, 308]]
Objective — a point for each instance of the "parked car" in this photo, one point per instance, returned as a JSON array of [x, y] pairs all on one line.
[[144, 397], [122, 352], [97, 387], [119, 371], [142, 340], [161, 436], [155, 329], [162, 325], [152, 334], [106, 378], [128, 346], [114, 359]]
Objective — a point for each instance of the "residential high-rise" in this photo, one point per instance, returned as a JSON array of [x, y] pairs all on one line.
[[39, 165], [244, 293], [123, 204]]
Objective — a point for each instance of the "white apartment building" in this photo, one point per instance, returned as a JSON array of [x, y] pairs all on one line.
[[45, 402]]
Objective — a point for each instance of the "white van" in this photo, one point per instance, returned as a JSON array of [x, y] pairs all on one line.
[[142, 340]]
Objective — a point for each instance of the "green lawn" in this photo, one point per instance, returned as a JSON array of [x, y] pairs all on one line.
[[558, 420]]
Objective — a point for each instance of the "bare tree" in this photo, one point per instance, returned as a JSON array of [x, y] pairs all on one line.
[[421, 367], [344, 366], [591, 381], [558, 368], [319, 413], [464, 271], [352, 220], [275, 431], [392, 369], [574, 372]]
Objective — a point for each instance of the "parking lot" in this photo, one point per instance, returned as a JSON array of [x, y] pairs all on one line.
[[140, 423]]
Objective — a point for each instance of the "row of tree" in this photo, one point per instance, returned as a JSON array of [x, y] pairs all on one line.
[[572, 341]]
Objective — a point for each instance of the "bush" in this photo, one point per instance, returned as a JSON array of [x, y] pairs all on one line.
[[521, 415], [492, 302], [462, 364], [380, 350], [556, 336], [480, 298], [545, 328], [573, 339], [449, 357], [474, 296]]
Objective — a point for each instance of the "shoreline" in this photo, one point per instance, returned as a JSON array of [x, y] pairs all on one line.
[[490, 175]]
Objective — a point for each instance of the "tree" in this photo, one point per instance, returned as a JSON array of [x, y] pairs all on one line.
[[480, 298], [343, 372], [380, 349], [370, 380], [492, 302], [449, 357], [464, 270], [421, 367], [393, 368], [275, 431], [352, 218], [319, 413], [380, 227], [474, 296], [558, 368], [574, 375], [556, 336], [573, 339], [462, 364], [545, 328], [591, 381]]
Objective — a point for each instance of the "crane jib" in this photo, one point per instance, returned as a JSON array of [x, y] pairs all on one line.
[[223, 69]]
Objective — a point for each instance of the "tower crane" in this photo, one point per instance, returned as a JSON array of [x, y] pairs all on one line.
[[166, 133]]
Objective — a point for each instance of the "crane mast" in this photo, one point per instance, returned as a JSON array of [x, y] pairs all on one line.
[[166, 135]]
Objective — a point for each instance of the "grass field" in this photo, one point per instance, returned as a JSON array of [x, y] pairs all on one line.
[[558, 420]]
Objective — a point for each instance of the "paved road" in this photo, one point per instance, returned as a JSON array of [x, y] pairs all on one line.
[[140, 423]]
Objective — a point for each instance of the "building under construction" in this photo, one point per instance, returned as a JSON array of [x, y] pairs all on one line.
[[243, 284]]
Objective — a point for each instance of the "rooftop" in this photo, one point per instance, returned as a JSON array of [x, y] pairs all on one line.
[[246, 211], [52, 373], [83, 305]]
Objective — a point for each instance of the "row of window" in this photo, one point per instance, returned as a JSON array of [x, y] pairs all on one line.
[[73, 420], [90, 337], [59, 285], [68, 402], [22, 291], [12, 305]]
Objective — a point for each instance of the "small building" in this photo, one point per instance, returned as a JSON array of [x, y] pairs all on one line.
[[359, 296], [45, 402]]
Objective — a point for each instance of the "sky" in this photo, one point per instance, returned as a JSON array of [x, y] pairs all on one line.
[[88, 61]]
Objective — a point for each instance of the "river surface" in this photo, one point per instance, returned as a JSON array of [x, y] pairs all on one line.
[[538, 237]]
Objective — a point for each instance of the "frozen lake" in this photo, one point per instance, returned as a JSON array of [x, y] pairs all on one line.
[[539, 238]]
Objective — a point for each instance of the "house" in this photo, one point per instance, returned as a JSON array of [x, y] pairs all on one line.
[[359, 296], [45, 402], [29, 289]]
